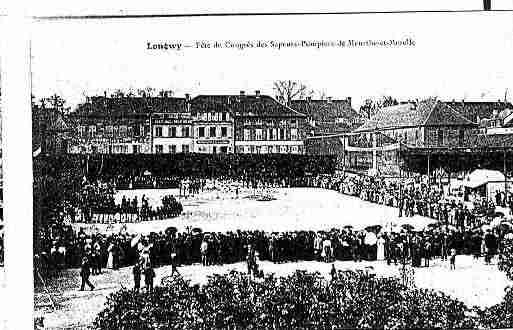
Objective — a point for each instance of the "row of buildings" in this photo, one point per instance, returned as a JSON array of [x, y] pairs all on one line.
[[410, 136], [239, 123], [423, 136]]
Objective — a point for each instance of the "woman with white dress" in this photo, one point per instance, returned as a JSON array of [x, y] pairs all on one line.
[[381, 248], [110, 259]]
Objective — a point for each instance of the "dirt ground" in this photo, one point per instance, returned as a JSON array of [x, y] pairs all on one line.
[[472, 282]]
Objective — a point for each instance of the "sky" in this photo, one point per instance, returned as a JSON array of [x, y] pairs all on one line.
[[456, 56]]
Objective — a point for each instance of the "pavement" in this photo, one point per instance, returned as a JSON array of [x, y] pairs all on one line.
[[472, 282]]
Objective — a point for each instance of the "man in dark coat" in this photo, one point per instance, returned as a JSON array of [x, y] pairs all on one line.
[[85, 272], [136, 271], [149, 275]]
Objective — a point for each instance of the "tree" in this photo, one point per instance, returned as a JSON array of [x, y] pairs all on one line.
[[287, 90], [370, 106]]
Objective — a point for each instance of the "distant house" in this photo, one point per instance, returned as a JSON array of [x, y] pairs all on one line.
[[424, 124], [380, 144], [328, 116], [477, 111]]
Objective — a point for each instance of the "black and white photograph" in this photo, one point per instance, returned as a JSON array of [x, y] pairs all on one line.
[[303, 171]]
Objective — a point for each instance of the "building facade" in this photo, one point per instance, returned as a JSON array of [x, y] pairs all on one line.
[[204, 124], [265, 126], [380, 144], [213, 124], [112, 125]]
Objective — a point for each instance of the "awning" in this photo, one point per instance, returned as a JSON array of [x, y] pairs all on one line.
[[481, 177]]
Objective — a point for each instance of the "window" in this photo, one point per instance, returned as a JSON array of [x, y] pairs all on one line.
[[293, 134], [159, 148], [135, 149], [201, 131], [282, 134], [224, 150], [172, 131], [185, 132], [440, 137], [172, 149], [247, 135], [461, 137], [223, 116], [259, 134], [92, 131], [94, 149], [212, 132], [224, 131], [158, 131], [185, 148], [270, 134]]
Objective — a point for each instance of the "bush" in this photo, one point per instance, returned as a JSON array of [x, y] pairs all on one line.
[[501, 315], [301, 300]]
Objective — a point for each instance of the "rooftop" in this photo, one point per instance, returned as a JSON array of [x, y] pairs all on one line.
[[424, 113]]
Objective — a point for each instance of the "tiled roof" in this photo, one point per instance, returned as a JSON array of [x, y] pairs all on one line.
[[425, 113], [479, 110], [247, 105], [324, 110], [121, 106], [327, 113]]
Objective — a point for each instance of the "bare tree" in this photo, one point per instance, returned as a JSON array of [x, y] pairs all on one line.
[[370, 106], [287, 90]]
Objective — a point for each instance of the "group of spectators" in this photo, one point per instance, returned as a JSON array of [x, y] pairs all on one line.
[[215, 248], [95, 203], [416, 196]]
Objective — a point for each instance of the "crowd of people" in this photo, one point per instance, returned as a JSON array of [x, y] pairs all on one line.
[[417, 197], [95, 203], [398, 246]]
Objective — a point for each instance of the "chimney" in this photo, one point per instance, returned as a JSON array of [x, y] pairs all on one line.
[[257, 93], [242, 93], [105, 94], [309, 98], [329, 99], [487, 4], [349, 100], [187, 97]]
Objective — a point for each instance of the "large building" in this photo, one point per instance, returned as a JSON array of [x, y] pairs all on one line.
[[204, 124], [380, 144], [172, 126], [113, 125], [264, 125], [213, 123]]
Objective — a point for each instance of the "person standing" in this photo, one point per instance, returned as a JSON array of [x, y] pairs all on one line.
[[380, 255], [427, 252], [85, 272], [453, 259], [136, 271], [149, 275], [204, 252]]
